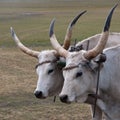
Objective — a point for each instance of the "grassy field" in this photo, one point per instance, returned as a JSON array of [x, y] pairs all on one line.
[[31, 22]]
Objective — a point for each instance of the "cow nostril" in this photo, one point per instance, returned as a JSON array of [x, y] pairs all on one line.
[[64, 98], [38, 94]]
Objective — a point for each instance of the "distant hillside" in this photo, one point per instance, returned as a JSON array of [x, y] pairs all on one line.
[[53, 2]]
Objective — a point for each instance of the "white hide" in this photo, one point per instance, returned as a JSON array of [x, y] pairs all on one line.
[[78, 88], [113, 39], [51, 83]]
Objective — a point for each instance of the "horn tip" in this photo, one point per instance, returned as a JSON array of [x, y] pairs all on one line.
[[76, 18], [108, 20], [11, 28], [51, 31], [12, 31]]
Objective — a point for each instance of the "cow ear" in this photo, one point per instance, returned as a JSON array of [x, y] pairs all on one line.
[[93, 65], [61, 64], [100, 58]]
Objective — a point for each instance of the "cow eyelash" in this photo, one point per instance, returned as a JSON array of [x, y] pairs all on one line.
[[50, 71], [79, 74]]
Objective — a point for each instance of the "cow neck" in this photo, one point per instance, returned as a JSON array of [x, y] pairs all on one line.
[[102, 58]]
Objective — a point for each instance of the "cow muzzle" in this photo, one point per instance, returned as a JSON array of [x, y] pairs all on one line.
[[64, 99], [39, 95]]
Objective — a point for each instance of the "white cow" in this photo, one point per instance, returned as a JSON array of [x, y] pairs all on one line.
[[52, 84], [80, 75], [48, 70], [91, 42]]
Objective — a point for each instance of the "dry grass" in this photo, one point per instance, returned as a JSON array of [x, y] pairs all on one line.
[[17, 83]]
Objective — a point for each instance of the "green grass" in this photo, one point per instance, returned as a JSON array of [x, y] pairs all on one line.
[[31, 20], [17, 74]]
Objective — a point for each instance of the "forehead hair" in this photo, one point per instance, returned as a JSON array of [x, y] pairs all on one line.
[[84, 64], [72, 66], [76, 57], [47, 55]]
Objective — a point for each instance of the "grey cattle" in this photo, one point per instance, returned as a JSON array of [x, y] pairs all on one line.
[[80, 74], [50, 78]]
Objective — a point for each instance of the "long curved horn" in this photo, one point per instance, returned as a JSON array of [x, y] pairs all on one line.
[[22, 47], [60, 50], [69, 30], [103, 40]]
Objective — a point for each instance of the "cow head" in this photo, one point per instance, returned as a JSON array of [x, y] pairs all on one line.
[[50, 78], [80, 71]]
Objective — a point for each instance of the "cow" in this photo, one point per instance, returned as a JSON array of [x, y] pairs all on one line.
[[80, 74], [91, 42], [54, 83], [48, 68]]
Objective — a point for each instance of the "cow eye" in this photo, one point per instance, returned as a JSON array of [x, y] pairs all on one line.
[[50, 71], [79, 74]]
